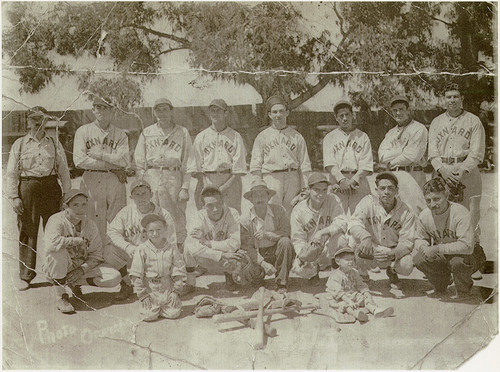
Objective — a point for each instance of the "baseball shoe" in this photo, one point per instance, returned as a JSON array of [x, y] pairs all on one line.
[[384, 313], [64, 306], [393, 276], [126, 291], [22, 285], [466, 298], [360, 315], [439, 293], [477, 275]]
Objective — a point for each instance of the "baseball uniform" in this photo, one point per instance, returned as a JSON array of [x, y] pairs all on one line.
[[452, 232], [304, 222], [347, 154], [389, 231], [219, 156], [224, 236], [107, 195], [158, 274], [33, 170], [281, 156], [162, 158], [460, 142]]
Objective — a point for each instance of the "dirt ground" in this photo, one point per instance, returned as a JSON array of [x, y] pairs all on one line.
[[425, 333]]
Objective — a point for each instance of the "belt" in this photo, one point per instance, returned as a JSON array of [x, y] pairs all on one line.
[[453, 160], [155, 280], [284, 170], [164, 168], [408, 168], [218, 172], [44, 178], [102, 170], [349, 172]]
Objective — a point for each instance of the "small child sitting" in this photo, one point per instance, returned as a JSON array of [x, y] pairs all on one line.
[[158, 272], [350, 294]]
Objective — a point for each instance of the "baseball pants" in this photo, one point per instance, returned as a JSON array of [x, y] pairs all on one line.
[[440, 269], [231, 196], [166, 185], [350, 201], [118, 259], [403, 266], [107, 196], [41, 197], [287, 186], [193, 256], [166, 305], [281, 257]]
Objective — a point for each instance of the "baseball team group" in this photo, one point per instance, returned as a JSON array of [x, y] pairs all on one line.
[[297, 221]]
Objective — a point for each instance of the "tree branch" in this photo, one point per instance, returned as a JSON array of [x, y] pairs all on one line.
[[341, 20], [323, 82], [184, 42], [441, 20], [171, 50]]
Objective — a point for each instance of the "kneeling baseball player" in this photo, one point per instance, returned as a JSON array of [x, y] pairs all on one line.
[[265, 231], [158, 271], [74, 251], [125, 233]]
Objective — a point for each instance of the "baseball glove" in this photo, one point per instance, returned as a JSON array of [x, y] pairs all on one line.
[[302, 196], [250, 272]]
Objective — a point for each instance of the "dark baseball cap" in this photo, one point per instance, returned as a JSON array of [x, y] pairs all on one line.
[[340, 104], [139, 183], [37, 111], [73, 193], [147, 219], [398, 99], [220, 103], [387, 176], [274, 100], [317, 177], [163, 101]]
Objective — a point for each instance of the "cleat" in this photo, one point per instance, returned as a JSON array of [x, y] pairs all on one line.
[[384, 313], [64, 306]]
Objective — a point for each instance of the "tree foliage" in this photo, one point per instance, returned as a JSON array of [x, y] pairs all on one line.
[[266, 45]]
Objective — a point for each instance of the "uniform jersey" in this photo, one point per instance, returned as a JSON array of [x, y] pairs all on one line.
[[156, 148], [395, 229], [60, 233], [339, 283], [347, 152], [451, 230], [462, 136], [305, 221], [127, 233], [218, 151], [30, 157], [113, 142], [404, 146], [276, 149]]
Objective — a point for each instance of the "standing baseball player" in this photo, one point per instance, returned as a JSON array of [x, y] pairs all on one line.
[[347, 156], [385, 228], [101, 149], [161, 155], [456, 147], [219, 157], [36, 163], [403, 151], [316, 223], [125, 232], [444, 242], [279, 156]]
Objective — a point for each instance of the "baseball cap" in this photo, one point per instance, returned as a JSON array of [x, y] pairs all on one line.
[[163, 101], [147, 219], [37, 111], [220, 103], [340, 104], [274, 100], [452, 86], [139, 183], [385, 176], [343, 246], [399, 98], [317, 177], [105, 101], [210, 190], [73, 193], [258, 184]]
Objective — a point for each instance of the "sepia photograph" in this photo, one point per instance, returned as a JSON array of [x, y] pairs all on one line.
[[249, 185]]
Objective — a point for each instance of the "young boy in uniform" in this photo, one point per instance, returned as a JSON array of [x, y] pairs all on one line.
[[158, 272]]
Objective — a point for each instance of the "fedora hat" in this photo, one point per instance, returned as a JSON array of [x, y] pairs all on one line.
[[258, 185]]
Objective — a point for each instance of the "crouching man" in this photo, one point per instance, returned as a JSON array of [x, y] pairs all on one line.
[[158, 271], [74, 251], [316, 224], [265, 234], [384, 226], [125, 233], [213, 239], [444, 242]]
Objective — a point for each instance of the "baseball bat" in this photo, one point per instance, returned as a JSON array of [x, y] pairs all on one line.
[[258, 343], [268, 329], [243, 315]]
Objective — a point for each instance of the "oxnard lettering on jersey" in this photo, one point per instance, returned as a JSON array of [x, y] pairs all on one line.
[[322, 222], [228, 146], [133, 231], [446, 234], [445, 132], [219, 236], [276, 142], [152, 143], [377, 220], [340, 145], [97, 141]]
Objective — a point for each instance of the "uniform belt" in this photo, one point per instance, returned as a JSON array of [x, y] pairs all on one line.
[[349, 172], [408, 168], [284, 170], [453, 160], [102, 170], [164, 168], [156, 280], [44, 178], [218, 172]]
